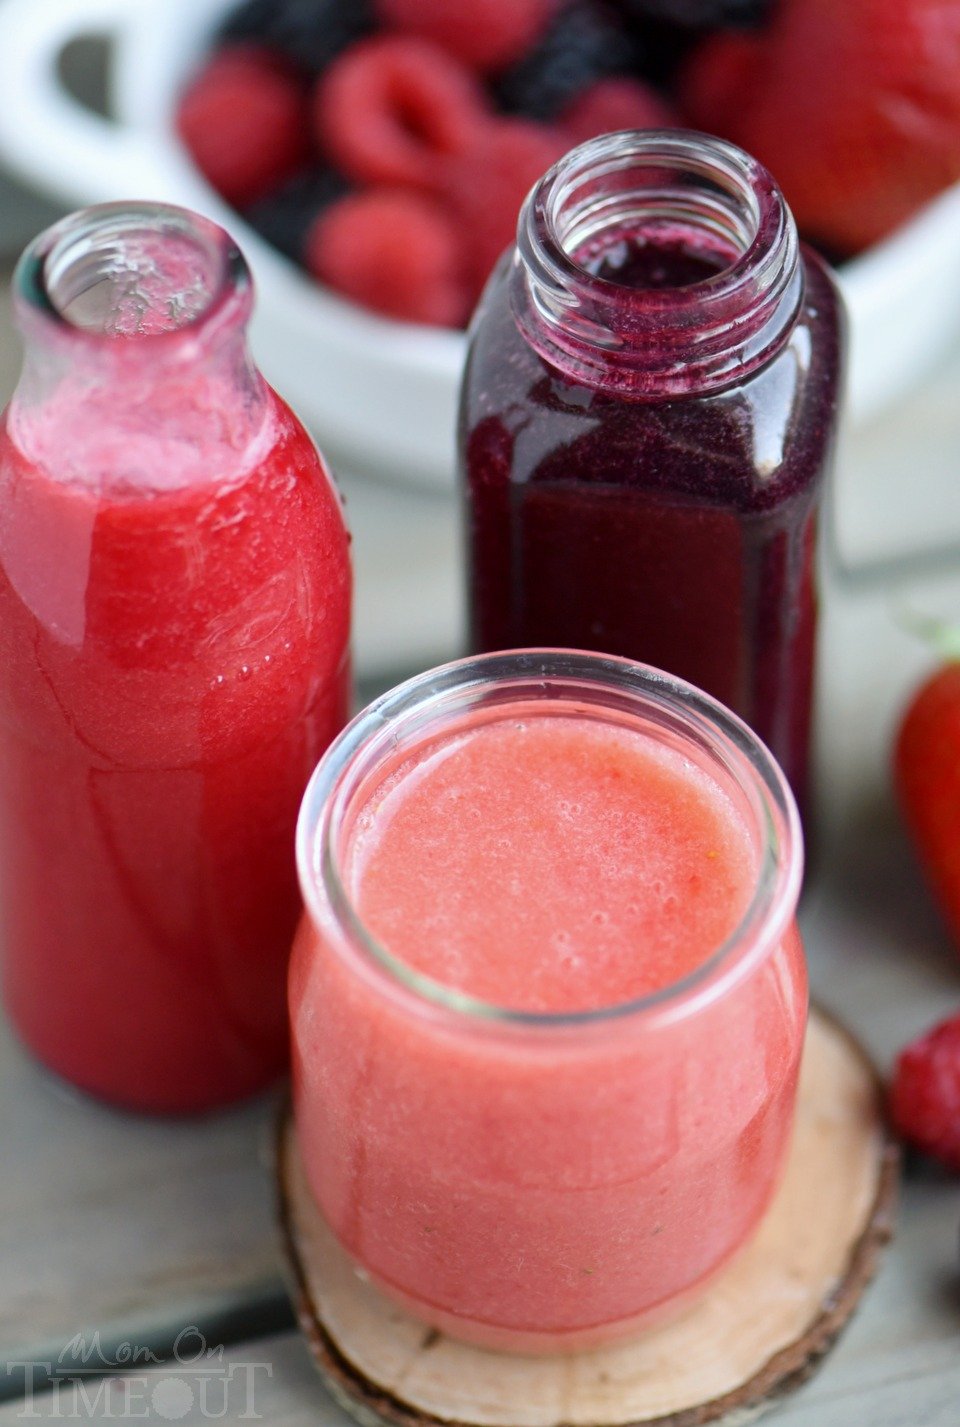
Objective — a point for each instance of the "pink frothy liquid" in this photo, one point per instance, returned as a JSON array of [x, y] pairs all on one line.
[[549, 1185], [552, 865]]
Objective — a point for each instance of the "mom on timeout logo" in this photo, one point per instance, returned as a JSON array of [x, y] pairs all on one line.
[[89, 1383]]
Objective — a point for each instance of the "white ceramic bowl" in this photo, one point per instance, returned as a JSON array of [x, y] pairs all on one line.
[[380, 395]]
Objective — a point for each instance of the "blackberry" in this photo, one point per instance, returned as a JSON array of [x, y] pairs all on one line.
[[586, 41], [284, 218], [309, 32], [661, 48], [700, 14]]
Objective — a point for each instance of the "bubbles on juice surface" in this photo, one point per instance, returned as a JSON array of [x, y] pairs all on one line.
[[549, 872], [568, 958], [569, 808]]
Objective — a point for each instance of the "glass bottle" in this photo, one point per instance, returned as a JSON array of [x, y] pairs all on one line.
[[174, 622], [648, 415], [540, 1180]]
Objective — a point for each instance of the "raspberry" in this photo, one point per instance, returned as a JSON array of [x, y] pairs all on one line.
[[395, 251], [490, 182], [393, 108], [585, 42], [310, 33], [285, 216], [244, 119], [717, 77], [612, 104], [485, 34], [925, 1097]]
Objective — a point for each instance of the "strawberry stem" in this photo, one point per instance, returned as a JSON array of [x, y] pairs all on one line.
[[940, 635]]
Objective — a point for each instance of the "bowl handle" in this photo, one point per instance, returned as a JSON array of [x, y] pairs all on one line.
[[48, 137]]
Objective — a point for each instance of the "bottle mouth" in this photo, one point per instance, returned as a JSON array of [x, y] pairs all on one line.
[[136, 373], [143, 272], [665, 339], [545, 682]]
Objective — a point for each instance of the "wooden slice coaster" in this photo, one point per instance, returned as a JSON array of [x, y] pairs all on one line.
[[758, 1332]]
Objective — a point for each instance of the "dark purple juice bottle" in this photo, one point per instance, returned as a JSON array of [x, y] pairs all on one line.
[[647, 418]]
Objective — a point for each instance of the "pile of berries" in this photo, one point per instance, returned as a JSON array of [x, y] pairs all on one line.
[[386, 145]]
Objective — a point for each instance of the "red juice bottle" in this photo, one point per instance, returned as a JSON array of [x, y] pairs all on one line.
[[647, 420], [174, 626]]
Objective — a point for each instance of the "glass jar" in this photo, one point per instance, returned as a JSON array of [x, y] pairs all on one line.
[[174, 620], [542, 1181], [647, 418]]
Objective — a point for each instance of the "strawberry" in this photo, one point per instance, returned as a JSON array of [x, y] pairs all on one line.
[[925, 1094], [854, 106], [927, 772]]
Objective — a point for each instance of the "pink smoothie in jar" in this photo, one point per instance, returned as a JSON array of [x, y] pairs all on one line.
[[548, 998]]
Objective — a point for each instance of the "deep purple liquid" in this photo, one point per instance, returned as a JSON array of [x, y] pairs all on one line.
[[677, 532], [659, 260]]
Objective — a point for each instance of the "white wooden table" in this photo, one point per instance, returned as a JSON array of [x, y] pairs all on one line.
[[138, 1228]]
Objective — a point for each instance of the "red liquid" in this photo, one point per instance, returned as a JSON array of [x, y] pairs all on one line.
[[172, 663], [680, 532]]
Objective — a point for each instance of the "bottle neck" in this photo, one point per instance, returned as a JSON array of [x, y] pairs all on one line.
[[136, 373], [656, 264]]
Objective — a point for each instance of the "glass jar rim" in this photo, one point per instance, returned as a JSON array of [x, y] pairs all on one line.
[[725, 325], [462, 685], [227, 303]]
